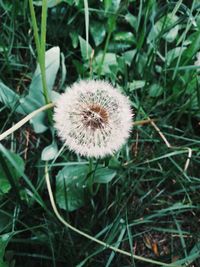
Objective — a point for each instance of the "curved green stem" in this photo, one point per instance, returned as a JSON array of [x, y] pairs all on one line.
[[41, 44], [42, 47], [105, 245], [90, 176]]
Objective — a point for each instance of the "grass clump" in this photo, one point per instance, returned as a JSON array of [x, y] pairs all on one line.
[[142, 203]]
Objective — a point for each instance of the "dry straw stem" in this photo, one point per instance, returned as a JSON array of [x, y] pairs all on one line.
[[37, 111], [105, 245], [173, 147], [25, 120]]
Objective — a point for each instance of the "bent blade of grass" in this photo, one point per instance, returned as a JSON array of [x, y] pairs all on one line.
[[119, 240], [105, 245], [86, 10], [35, 194], [181, 236]]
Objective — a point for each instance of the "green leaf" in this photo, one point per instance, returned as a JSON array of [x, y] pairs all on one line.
[[136, 85], [74, 37], [16, 173], [166, 23], [98, 32], [192, 49], [132, 20], [5, 183], [128, 56], [8, 97], [4, 239], [112, 5], [49, 152], [156, 90], [83, 45], [70, 187], [104, 175], [126, 37], [39, 123], [109, 60], [173, 54], [35, 97]]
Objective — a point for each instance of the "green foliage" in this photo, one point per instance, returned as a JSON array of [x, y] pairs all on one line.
[[8, 174], [49, 152], [104, 175], [142, 199], [70, 187], [3, 244]]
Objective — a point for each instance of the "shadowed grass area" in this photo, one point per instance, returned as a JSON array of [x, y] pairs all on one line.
[[148, 202]]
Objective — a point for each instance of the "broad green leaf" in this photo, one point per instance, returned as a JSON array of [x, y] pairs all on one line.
[[8, 97], [16, 173], [49, 152], [104, 175], [35, 97], [98, 32], [111, 5], [124, 37], [166, 23], [118, 47], [136, 85], [109, 60], [192, 49], [39, 123], [5, 185], [114, 163], [156, 90], [70, 187], [172, 34], [128, 56], [83, 46], [132, 20], [173, 54], [74, 37], [4, 239]]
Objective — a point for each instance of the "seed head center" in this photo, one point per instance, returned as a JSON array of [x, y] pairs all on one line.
[[95, 117]]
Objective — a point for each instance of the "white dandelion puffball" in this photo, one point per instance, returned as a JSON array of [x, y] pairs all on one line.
[[93, 118]]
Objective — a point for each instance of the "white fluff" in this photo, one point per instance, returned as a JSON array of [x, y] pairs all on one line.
[[93, 118]]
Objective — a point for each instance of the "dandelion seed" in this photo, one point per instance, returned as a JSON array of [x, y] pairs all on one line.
[[93, 118]]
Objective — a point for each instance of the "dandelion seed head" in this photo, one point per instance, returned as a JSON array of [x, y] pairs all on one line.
[[93, 118]]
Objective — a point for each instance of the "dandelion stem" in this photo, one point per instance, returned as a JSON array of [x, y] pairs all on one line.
[[90, 176], [105, 245]]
